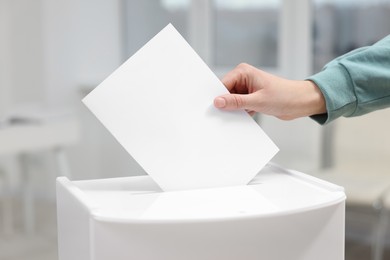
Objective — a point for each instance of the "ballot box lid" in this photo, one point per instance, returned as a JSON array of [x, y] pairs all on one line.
[[273, 192]]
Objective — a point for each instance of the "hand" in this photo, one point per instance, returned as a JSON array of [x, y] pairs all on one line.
[[258, 91]]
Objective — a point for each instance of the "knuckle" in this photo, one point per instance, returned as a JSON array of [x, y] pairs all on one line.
[[238, 102], [244, 67], [244, 70]]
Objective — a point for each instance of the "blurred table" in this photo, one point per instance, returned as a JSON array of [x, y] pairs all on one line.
[[21, 137]]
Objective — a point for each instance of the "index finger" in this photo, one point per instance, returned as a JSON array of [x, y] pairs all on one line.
[[230, 79]]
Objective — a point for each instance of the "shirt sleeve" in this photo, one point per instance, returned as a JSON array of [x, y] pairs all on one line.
[[355, 83]]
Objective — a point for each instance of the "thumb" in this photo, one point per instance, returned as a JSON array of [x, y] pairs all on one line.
[[232, 102]]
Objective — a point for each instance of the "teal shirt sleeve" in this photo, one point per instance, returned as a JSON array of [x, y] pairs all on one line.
[[355, 83]]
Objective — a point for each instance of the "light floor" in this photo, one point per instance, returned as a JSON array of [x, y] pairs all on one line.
[[40, 244]]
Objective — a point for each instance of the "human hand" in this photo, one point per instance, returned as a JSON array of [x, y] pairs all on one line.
[[258, 91]]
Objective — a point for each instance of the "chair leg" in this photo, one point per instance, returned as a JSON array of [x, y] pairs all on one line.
[[379, 235], [28, 195], [8, 223], [7, 206], [62, 160]]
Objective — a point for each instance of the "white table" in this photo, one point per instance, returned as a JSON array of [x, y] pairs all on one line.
[[30, 137]]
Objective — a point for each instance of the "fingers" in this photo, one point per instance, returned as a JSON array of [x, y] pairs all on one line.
[[220, 102], [251, 113], [237, 78], [233, 102], [239, 83], [230, 80]]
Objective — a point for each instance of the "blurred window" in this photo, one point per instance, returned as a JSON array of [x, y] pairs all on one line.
[[341, 26], [144, 19], [246, 31], [242, 30]]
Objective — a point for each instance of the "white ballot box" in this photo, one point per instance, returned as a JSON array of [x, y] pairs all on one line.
[[281, 214]]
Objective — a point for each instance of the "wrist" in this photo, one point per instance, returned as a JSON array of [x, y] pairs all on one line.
[[315, 99]]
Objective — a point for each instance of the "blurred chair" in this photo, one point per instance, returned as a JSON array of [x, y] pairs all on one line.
[[22, 136], [5, 204], [371, 190], [382, 206]]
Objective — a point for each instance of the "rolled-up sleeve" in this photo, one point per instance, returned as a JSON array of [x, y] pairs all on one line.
[[355, 83]]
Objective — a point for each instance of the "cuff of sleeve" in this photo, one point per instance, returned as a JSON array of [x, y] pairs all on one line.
[[337, 87]]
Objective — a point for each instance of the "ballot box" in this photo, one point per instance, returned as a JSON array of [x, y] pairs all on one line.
[[281, 214]]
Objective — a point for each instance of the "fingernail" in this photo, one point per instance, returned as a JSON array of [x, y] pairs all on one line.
[[219, 102]]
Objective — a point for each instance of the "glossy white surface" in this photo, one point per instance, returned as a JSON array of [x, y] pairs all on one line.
[[280, 215], [270, 193]]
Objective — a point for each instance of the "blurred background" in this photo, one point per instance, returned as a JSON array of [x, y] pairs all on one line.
[[53, 52]]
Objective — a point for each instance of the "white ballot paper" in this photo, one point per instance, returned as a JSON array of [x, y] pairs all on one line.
[[159, 106]]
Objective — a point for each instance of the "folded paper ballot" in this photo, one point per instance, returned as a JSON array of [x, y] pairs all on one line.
[[159, 106]]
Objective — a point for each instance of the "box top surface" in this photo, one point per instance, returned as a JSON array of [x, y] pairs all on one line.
[[274, 191]]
